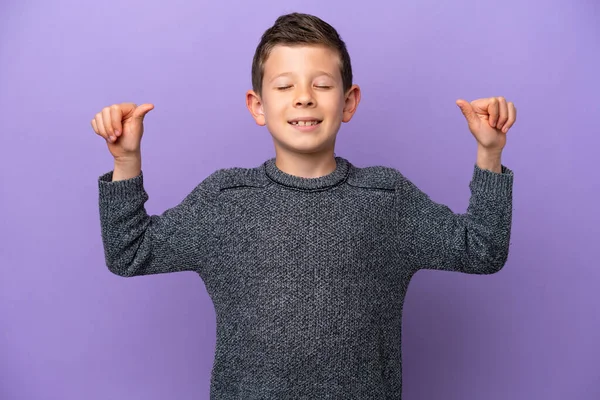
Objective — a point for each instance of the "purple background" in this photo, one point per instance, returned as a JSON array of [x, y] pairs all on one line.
[[69, 329]]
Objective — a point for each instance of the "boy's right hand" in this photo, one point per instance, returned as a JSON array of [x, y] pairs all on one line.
[[121, 125]]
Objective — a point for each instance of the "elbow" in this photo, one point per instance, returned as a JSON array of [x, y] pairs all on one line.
[[126, 267], [489, 251], [492, 268], [491, 261], [126, 261], [120, 271]]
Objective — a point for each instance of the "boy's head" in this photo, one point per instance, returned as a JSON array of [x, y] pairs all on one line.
[[301, 71]]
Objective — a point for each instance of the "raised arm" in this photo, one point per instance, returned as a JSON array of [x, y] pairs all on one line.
[[135, 243], [478, 241]]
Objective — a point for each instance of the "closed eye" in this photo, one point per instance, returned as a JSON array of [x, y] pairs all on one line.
[[319, 87]]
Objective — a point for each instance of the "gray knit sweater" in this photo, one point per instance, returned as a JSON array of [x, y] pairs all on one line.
[[307, 275]]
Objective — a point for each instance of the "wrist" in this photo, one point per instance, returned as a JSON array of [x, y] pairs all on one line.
[[127, 167], [489, 159]]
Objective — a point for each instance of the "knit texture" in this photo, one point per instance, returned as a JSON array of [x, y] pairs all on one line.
[[307, 275]]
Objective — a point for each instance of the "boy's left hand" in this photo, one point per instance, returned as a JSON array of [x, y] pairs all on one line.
[[489, 120]]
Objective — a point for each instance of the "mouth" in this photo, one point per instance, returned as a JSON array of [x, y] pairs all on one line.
[[305, 122]]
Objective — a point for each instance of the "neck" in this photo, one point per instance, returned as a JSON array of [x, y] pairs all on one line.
[[311, 165]]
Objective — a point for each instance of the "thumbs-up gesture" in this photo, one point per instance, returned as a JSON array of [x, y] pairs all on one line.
[[121, 125], [489, 120]]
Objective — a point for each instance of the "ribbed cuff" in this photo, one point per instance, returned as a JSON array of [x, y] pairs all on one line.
[[489, 181], [125, 188]]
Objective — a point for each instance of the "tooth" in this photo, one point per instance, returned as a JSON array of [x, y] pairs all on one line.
[[305, 123]]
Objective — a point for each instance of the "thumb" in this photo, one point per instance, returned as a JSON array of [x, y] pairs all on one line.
[[141, 111], [467, 111]]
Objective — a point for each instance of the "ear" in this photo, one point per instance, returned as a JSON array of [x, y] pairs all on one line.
[[352, 98], [254, 104]]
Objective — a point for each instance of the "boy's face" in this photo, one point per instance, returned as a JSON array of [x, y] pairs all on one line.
[[303, 102]]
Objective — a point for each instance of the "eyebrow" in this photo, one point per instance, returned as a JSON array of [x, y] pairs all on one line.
[[290, 73]]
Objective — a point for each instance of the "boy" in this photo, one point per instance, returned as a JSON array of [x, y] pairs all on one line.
[[306, 257]]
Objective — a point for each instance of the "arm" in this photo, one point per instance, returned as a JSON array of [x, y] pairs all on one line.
[[135, 243], [476, 242]]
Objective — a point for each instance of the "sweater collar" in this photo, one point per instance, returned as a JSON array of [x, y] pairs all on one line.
[[334, 178]]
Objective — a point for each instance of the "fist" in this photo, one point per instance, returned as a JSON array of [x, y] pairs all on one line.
[[489, 120], [121, 125]]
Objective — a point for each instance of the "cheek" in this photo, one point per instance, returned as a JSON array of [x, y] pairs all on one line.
[[334, 100], [274, 107], [334, 106]]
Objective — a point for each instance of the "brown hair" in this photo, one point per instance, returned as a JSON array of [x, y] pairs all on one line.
[[297, 29]]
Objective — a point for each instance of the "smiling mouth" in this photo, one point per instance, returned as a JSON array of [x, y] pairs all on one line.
[[304, 123]]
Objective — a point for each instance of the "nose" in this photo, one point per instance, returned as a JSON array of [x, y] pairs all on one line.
[[304, 98]]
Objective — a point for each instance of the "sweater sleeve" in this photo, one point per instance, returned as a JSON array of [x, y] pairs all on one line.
[[476, 242], [135, 243]]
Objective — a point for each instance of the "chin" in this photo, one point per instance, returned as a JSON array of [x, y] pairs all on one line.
[[290, 140], [304, 148]]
